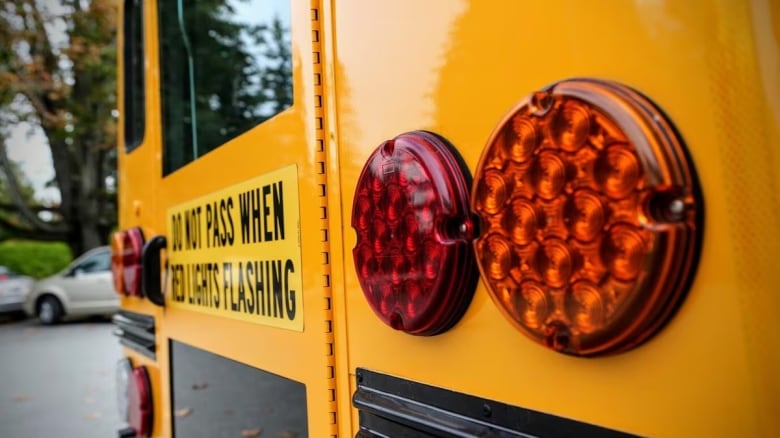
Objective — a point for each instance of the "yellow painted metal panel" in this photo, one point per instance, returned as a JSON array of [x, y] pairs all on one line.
[[456, 67], [366, 71], [293, 139]]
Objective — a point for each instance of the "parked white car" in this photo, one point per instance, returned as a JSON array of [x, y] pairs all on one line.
[[14, 289], [84, 288]]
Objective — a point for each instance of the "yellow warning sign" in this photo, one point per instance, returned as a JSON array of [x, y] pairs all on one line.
[[236, 252]]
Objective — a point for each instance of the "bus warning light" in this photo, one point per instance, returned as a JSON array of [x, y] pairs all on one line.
[[591, 218], [413, 257], [126, 248]]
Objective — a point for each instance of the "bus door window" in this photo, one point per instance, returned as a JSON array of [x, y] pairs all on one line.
[[225, 68]]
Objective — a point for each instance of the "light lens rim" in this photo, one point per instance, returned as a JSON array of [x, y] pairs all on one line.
[[447, 172], [124, 369], [654, 139]]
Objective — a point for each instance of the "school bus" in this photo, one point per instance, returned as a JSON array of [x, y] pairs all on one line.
[[448, 218]]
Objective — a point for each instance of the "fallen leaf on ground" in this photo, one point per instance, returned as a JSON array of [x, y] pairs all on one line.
[[92, 416], [21, 398], [89, 400], [251, 433], [288, 434], [183, 412]]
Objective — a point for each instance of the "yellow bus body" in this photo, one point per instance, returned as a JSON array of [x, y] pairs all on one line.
[[366, 71]]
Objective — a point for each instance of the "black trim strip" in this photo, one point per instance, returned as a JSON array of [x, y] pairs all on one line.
[[136, 331], [393, 407]]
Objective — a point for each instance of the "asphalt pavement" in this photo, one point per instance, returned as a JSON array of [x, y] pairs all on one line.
[[58, 381]]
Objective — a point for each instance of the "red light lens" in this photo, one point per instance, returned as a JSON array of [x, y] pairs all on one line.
[[414, 259], [590, 216], [126, 249], [139, 402]]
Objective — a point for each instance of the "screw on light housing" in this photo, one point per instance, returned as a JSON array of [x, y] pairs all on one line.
[[413, 256], [590, 215]]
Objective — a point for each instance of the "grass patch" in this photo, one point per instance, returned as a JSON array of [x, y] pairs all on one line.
[[36, 259]]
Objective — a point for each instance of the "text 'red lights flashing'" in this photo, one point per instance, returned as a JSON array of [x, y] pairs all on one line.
[[414, 257], [590, 217]]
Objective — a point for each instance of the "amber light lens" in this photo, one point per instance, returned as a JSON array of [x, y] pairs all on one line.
[[126, 249], [590, 215], [414, 257], [117, 250]]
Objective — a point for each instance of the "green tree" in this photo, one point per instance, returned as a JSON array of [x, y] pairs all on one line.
[[223, 72], [276, 76], [57, 71]]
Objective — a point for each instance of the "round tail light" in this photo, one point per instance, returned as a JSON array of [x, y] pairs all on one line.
[[139, 396], [414, 258], [134, 397], [591, 217], [126, 250]]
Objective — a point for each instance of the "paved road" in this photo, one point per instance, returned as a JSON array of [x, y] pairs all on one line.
[[57, 381]]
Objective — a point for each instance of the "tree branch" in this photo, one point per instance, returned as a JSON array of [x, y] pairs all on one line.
[[45, 49], [35, 208], [16, 195], [47, 116], [32, 234]]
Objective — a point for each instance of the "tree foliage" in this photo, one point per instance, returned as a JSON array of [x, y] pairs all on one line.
[[222, 74], [57, 71], [276, 80], [36, 259]]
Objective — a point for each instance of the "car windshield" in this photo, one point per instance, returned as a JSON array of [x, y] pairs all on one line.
[[97, 262]]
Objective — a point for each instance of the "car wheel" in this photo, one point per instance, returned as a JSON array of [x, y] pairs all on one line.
[[49, 310]]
